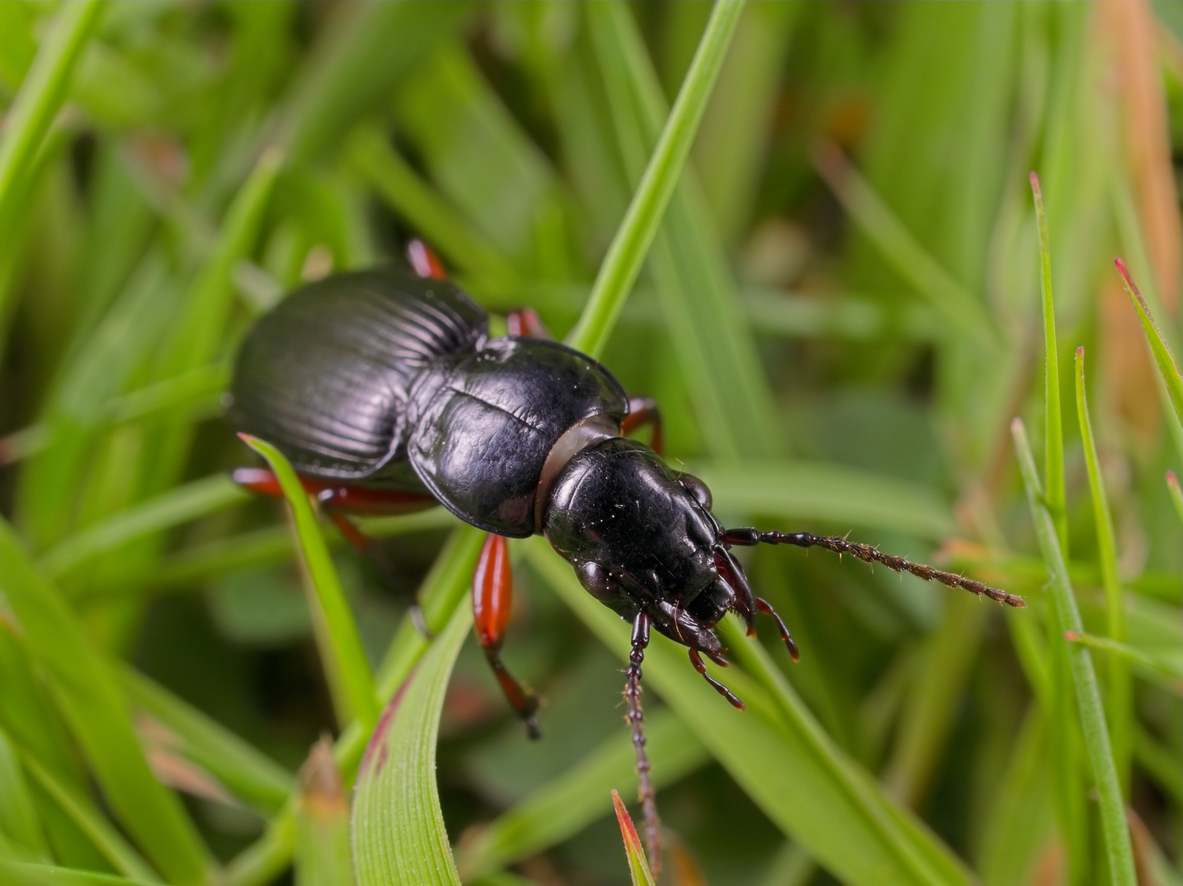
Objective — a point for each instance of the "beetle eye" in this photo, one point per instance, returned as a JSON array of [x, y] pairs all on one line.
[[698, 489]]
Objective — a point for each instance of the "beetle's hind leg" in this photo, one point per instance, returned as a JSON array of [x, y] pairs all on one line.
[[643, 411], [492, 599]]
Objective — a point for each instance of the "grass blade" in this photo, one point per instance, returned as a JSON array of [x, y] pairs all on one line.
[[322, 822], [340, 645], [1053, 444], [638, 865], [1088, 697], [1169, 665], [631, 243], [1167, 366], [1120, 698], [51, 875], [1176, 492], [98, 716], [398, 830]]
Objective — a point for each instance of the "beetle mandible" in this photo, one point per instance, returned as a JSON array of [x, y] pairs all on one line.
[[386, 393]]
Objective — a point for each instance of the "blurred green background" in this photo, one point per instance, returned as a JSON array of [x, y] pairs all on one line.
[[840, 317]]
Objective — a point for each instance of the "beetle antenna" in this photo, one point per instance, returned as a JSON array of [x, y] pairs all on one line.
[[632, 697], [868, 554]]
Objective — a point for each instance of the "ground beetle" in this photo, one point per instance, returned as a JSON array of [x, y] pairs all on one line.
[[387, 394]]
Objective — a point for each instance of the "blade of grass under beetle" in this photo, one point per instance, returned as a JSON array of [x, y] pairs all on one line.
[[1163, 357], [442, 591], [90, 699], [322, 822], [779, 756], [1119, 698], [398, 829], [631, 243], [337, 636], [1092, 718], [634, 852], [561, 808], [247, 773]]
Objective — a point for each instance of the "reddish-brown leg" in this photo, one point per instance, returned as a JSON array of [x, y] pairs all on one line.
[[696, 660], [526, 322], [425, 262], [643, 411], [635, 716], [492, 598]]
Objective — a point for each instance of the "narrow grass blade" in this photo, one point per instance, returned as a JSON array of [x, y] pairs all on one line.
[[337, 636], [90, 699], [19, 821], [631, 243], [1053, 444], [905, 253], [1167, 366], [565, 806], [778, 754], [1092, 718], [114, 848], [246, 772], [1120, 699], [398, 830], [180, 505], [1176, 492], [41, 95], [322, 822], [50, 875], [427, 212], [1170, 666], [638, 864]]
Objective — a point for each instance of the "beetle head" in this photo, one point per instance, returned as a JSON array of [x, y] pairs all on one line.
[[642, 537]]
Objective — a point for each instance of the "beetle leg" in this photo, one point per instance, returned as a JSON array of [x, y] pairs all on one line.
[[526, 322], [766, 607], [492, 598], [632, 697], [643, 411], [696, 660], [425, 262]]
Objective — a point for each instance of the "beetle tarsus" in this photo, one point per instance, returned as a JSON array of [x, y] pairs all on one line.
[[634, 715], [766, 607], [868, 554], [696, 660]]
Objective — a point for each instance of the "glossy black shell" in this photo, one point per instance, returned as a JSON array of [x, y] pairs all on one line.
[[383, 379]]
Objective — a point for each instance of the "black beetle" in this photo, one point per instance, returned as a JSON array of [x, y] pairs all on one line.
[[386, 392]]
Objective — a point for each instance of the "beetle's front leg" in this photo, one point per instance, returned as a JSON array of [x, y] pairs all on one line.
[[492, 599]]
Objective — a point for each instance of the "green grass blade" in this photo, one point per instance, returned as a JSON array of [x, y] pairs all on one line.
[[50, 875], [1167, 367], [778, 754], [1053, 429], [90, 699], [90, 821], [631, 243], [180, 505], [19, 820], [246, 772], [903, 251], [1169, 665], [1176, 492], [398, 829], [340, 645], [40, 97], [565, 806], [638, 864], [322, 822], [1092, 718], [1120, 699]]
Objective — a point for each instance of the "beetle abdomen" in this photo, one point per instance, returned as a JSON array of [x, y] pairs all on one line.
[[325, 375], [486, 427]]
